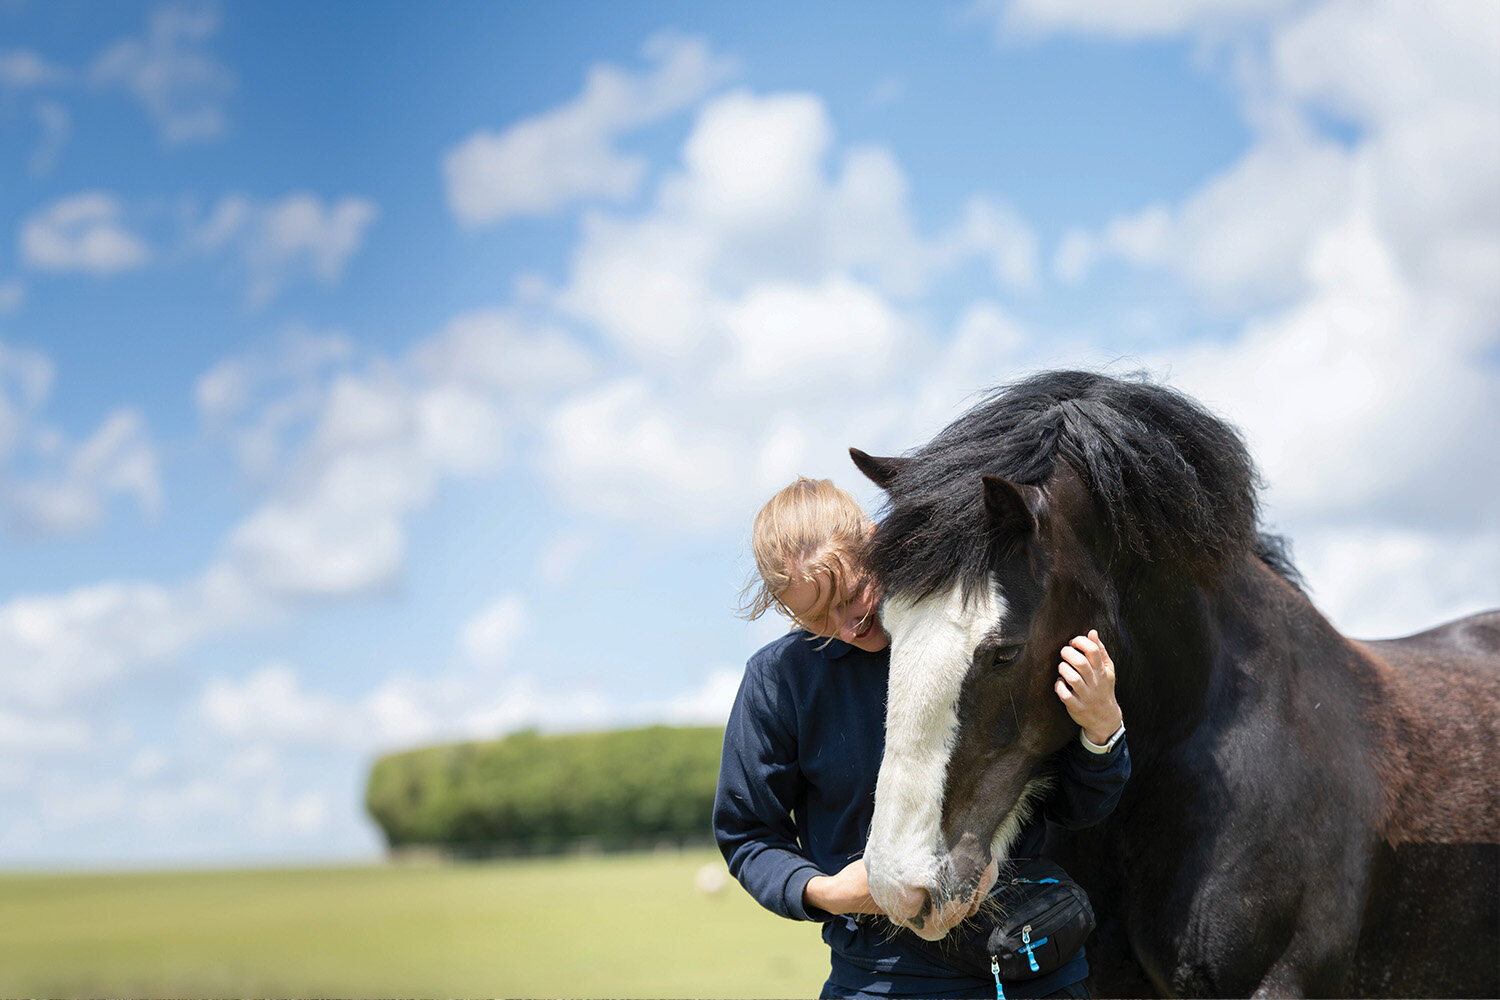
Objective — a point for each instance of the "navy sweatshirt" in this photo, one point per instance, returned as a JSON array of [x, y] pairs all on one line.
[[797, 792]]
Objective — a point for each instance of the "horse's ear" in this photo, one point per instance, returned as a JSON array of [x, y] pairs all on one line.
[[1012, 508], [881, 471]]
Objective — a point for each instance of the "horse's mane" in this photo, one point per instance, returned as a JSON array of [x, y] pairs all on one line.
[[1171, 482]]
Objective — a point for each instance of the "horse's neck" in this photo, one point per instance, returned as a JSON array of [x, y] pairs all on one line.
[[1168, 644], [1189, 644]]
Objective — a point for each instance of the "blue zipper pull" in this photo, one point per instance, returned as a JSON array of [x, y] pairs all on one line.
[[995, 971], [1030, 952]]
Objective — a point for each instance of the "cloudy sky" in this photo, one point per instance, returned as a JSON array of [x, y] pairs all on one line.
[[380, 376]]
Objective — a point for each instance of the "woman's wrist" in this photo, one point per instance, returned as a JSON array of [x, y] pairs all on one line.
[[815, 893], [1099, 731]]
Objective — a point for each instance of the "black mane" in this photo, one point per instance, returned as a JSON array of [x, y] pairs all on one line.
[[1173, 483]]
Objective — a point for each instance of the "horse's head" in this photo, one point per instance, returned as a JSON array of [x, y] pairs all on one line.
[[971, 711]]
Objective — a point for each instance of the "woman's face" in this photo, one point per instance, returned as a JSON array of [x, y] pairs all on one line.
[[850, 613]]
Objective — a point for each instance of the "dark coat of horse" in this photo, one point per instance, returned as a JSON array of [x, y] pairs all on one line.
[[1308, 814]]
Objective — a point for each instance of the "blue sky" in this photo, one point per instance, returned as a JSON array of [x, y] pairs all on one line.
[[375, 376]]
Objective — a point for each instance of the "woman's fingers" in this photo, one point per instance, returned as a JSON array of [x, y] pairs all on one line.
[[1078, 661], [1089, 647], [1104, 659], [1069, 674]]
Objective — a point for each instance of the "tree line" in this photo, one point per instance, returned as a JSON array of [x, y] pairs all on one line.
[[529, 793]]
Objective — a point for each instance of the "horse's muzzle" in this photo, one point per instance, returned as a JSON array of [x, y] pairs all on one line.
[[961, 880]]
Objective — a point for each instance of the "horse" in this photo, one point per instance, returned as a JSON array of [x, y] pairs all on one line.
[[1308, 814]]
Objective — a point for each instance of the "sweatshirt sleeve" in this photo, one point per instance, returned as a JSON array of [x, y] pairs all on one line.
[[1088, 784], [758, 789]]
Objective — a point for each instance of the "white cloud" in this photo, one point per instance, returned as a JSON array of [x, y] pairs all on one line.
[[149, 762], [1424, 95], [26, 734], [263, 398], [1345, 407], [988, 346], [496, 350], [729, 225], [12, 294], [278, 241], [118, 459], [774, 186], [620, 451], [1017, 20], [995, 231], [753, 290], [643, 286], [273, 710], [487, 638], [295, 236], [351, 450], [56, 125], [376, 450], [560, 560], [82, 232], [709, 705], [1366, 265], [1361, 272], [49, 485], [25, 380], [170, 72], [795, 336], [65, 808], [1239, 239], [301, 355], [23, 69], [174, 814], [888, 90], [58, 650], [299, 231], [272, 705], [319, 548], [568, 154], [1377, 581], [1394, 60]]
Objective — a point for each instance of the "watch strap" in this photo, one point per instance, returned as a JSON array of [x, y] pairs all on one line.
[[1109, 744]]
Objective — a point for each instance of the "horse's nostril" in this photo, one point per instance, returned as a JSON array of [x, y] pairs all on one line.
[[912, 904]]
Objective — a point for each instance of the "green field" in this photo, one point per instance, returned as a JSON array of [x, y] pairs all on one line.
[[611, 926]]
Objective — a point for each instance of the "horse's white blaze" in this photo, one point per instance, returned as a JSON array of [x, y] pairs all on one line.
[[932, 644]]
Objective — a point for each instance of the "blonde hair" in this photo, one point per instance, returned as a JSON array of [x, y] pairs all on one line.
[[806, 530]]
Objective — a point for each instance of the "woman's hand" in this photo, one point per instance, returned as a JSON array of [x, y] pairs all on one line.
[[1086, 686], [846, 892]]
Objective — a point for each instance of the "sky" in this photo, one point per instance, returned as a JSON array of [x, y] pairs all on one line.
[[380, 375]]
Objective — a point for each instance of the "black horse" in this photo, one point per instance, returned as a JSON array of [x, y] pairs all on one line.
[[1308, 814]]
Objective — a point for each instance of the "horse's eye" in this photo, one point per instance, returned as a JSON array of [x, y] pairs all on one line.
[[997, 656]]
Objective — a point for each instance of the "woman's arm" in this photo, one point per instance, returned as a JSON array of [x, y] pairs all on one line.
[[759, 780], [846, 892], [1089, 782]]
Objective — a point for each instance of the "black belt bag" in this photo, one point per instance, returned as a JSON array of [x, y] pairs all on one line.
[[1034, 921]]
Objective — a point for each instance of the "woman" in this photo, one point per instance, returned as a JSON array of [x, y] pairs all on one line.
[[804, 741]]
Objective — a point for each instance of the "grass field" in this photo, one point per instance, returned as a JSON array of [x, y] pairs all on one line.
[[612, 926]]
